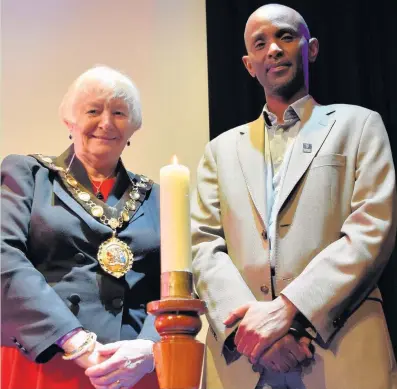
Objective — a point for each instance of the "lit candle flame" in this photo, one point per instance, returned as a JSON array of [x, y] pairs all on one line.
[[174, 160]]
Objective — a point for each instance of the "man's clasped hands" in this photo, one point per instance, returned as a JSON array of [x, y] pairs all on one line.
[[263, 335]]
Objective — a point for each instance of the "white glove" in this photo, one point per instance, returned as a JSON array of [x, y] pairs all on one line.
[[130, 360]]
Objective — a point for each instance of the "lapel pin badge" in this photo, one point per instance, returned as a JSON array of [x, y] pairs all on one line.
[[307, 147]]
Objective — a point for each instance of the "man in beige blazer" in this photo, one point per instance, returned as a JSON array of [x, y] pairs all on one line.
[[293, 222]]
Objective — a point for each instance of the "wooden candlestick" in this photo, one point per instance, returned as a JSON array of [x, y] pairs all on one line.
[[178, 356]]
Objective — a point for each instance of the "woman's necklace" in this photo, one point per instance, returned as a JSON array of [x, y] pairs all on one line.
[[98, 193]]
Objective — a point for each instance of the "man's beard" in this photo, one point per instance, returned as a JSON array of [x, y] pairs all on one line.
[[291, 87]]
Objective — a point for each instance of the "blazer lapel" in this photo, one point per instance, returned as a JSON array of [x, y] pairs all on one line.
[[250, 152], [65, 196], [305, 148]]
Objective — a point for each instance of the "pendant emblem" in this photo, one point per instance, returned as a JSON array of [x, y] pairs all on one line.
[[115, 257]]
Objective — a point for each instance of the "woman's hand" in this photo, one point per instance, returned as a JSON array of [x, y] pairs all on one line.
[[92, 358], [128, 361]]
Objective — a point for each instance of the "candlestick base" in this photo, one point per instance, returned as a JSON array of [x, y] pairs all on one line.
[[178, 356]]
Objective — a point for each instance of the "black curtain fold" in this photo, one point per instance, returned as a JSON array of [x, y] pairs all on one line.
[[357, 64]]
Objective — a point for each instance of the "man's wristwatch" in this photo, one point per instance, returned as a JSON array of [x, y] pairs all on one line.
[[229, 351], [301, 327]]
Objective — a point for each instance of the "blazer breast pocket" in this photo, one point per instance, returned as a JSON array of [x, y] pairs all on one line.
[[322, 192], [329, 160]]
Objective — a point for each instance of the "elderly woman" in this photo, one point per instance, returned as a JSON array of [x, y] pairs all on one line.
[[80, 251]]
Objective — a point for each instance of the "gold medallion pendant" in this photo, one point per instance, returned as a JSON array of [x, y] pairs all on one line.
[[115, 257]]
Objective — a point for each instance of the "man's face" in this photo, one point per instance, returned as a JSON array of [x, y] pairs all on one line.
[[279, 51]]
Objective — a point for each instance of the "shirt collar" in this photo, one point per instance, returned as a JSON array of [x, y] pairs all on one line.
[[292, 114]]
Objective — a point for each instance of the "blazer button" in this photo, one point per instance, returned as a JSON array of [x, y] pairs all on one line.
[[19, 345], [339, 322], [265, 289], [257, 368], [74, 298], [117, 303], [79, 258]]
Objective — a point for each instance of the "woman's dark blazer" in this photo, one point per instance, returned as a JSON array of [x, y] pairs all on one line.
[[51, 281]]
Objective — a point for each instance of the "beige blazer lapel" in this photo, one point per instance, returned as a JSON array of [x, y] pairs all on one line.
[[305, 148], [250, 152]]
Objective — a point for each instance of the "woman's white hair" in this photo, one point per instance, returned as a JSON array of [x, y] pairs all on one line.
[[103, 79]]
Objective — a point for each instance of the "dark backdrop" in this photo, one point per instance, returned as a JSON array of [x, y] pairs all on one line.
[[357, 64]]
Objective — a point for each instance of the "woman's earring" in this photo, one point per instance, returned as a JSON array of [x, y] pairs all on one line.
[[70, 136], [128, 143]]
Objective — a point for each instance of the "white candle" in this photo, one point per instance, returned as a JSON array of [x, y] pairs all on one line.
[[176, 249]]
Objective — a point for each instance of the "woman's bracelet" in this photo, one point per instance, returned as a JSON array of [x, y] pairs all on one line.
[[87, 346], [61, 341]]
